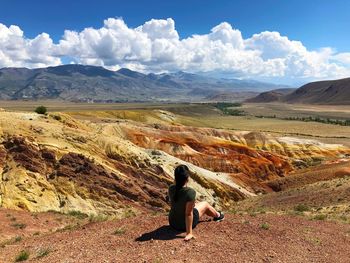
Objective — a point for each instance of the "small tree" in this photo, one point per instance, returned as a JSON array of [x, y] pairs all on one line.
[[41, 110]]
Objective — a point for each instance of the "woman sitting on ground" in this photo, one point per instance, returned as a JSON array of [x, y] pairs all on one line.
[[185, 213]]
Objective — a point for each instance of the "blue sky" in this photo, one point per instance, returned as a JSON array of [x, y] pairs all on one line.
[[316, 24]]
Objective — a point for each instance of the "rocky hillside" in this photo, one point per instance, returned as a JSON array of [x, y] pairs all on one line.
[[90, 83], [59, 163], [271, 96], [336, 92], [330, 92]]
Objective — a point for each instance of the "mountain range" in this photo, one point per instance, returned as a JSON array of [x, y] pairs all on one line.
[[84, 83]]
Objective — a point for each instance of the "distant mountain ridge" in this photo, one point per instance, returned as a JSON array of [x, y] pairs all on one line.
[[90, 83], [271, 96], [329, 92]]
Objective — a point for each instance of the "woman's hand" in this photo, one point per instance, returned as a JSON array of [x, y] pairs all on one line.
[[188, 237]]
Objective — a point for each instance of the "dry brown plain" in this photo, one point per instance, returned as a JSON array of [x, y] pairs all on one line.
[[201, 115]]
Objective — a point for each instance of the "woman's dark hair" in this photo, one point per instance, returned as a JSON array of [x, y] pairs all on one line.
[[182, 173]]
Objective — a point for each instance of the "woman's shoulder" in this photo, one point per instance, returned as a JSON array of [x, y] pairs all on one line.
[[190, 190], [190, 193], [187, 188]]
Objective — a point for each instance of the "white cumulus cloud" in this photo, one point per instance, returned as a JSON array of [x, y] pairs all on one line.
[[156, 46], [18, 51], [343, 58]]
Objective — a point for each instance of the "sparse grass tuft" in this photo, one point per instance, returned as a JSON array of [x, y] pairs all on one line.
[[344, 218], [77, 214], [301, 208], [232, 211], [129, 213], [10, 241], [265, 226], [252, 214], [18, 239], [19, 225], [43, 252], [320, 217], [119, 231], [314, 240], [156, 213], [68, 228], [22, 256], [97, 218]]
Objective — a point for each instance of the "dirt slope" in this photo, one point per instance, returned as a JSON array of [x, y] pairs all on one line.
[[323, 192], [148, 239]]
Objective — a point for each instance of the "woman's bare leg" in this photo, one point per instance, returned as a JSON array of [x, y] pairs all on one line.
[[204, 208]]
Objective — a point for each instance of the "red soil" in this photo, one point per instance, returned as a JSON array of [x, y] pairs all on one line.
[[247, 165], [148, 239]]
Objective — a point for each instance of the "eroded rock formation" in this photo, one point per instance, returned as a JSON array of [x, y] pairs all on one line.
[[58, 163]]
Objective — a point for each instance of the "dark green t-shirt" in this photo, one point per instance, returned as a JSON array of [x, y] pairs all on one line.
[[178, 208]]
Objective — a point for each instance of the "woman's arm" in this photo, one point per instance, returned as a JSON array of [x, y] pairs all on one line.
[[189, 220]]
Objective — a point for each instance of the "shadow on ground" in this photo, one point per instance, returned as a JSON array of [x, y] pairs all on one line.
[[165, 232], [162, 233]]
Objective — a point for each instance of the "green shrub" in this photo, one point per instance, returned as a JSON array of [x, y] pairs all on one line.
[[225, 108], [41, 110], [223, 105], [22, 256], [234, 112]]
